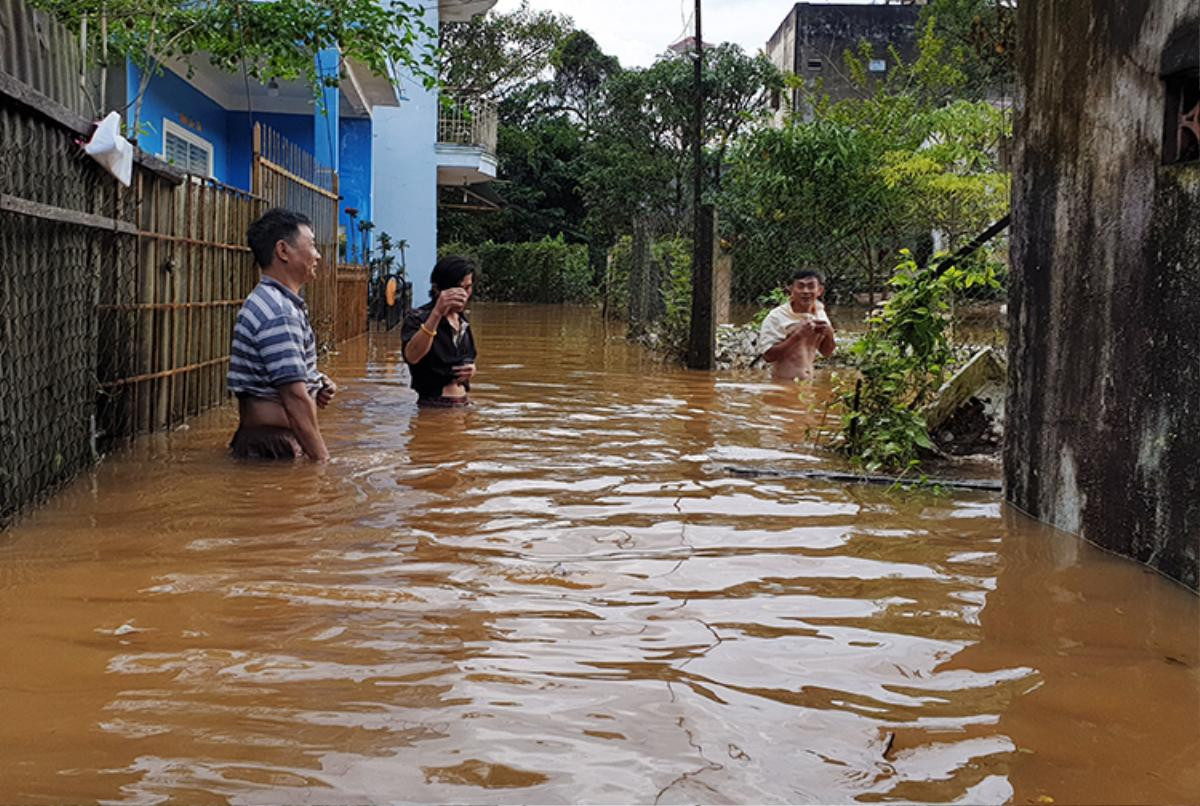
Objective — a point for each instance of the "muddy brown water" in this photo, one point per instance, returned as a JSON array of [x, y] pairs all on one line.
[[558, 596]]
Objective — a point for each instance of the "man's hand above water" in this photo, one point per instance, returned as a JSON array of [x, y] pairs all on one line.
[[326, 392]]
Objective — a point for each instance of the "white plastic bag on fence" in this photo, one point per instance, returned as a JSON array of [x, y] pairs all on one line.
[[110, 148]]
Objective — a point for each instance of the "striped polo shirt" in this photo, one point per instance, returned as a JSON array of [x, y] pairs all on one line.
[[273, 343]]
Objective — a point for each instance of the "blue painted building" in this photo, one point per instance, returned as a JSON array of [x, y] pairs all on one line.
[[391, 141]]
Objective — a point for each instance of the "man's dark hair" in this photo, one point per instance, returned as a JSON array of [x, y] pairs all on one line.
[[273, 226], [804, 274], [449, 272]]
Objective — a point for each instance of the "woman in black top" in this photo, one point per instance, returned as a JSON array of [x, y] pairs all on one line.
[[438, 346]]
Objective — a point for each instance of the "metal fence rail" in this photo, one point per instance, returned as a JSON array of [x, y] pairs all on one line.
[[469, 120]]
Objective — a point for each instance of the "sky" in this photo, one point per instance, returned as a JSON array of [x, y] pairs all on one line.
[[635, 31]]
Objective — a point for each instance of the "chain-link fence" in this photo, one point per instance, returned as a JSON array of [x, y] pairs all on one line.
[[648, 280], [48, 285]]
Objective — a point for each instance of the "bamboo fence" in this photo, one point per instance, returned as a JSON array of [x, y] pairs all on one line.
[[352, 282], [174, 305], [117, 305], [286, 175]]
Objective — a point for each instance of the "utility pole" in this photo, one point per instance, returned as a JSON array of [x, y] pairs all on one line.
[[702, 336]]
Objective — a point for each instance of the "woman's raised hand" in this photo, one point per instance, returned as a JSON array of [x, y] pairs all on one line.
[[452, 300]]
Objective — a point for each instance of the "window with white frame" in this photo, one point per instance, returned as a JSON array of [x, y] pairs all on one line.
[[187, 150]]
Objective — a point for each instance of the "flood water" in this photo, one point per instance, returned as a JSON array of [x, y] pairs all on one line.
[[559, 596]]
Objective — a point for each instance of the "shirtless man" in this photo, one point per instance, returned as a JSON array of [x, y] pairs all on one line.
[[793, 333], [273, 362]]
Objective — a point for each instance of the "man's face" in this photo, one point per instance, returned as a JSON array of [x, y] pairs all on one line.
[[806, 291], [302, 252]]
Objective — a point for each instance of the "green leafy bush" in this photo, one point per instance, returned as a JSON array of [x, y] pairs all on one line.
[[550, 271], [901, 362], [617, 279], [672, 257]]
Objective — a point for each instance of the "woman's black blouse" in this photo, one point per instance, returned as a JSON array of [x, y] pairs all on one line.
[[436, 369]]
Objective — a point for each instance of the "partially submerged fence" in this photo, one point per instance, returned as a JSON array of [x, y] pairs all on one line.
[[352, 283], [117, 305], [165, 312], [59, 218]]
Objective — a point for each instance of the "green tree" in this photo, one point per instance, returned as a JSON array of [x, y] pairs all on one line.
[[580, 72], [279, 39], [639, 163], [981, 35], [538, 169], [905, 162], [809, 194], [498, 55], [953, 182]]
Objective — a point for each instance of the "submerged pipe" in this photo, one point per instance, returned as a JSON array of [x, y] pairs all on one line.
[[989, 485]]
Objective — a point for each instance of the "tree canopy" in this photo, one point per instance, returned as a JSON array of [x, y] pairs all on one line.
[[279, 39], [499, 54]]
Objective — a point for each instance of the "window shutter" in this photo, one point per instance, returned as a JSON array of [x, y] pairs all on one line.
[[191, 157], [176, 151]]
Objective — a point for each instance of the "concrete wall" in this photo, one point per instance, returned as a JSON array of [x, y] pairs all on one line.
[[824, 32], [169, 97], [781, 51], [296, 128], [1103, 437], [355, 176], [404, 168]]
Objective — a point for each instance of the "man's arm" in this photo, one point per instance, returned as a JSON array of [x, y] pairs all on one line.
[[782, 348], [302, 414], [827, 343]]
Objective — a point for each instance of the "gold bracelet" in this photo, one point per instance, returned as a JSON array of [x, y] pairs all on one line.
[[432, 333]]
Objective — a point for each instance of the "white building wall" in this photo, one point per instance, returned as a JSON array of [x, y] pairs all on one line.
[[404, 160]]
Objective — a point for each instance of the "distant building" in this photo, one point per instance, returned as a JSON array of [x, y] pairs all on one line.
[[812, 40]]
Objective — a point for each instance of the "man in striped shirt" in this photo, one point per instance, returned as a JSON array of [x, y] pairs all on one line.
[[273, 362]]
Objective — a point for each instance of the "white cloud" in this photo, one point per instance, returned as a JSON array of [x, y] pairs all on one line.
[[636, 31]]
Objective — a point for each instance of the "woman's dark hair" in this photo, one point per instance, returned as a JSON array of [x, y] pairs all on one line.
[[273, 226], [449, 272]]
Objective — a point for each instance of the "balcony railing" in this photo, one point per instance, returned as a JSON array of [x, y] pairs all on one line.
[[468, 121]]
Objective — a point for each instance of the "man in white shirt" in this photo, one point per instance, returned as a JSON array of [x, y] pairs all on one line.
[[793, 333]]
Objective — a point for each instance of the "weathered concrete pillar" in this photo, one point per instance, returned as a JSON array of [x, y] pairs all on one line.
[[1103, 436]]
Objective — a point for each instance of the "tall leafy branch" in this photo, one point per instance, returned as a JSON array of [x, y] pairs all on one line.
[[266, 40]]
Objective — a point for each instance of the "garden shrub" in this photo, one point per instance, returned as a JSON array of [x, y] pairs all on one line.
[[548, 271]]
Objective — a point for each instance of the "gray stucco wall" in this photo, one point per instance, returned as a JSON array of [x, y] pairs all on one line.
[[826, 31], [1103, 437]]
